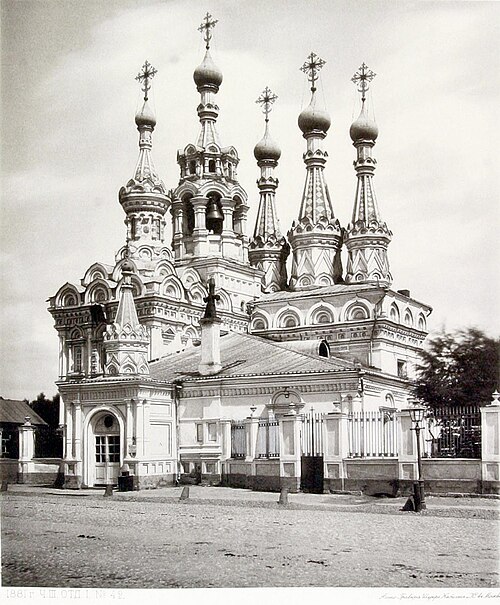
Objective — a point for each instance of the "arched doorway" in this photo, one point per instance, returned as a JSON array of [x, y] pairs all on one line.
[[104, 448]]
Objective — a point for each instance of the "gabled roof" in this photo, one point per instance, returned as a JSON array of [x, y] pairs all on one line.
[[15, 412], [245, 355]]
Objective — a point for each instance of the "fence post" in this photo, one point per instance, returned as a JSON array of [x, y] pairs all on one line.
[[225, 429], [26, 449], [252, 427], [490, 445], [289, 442], [407, 452], [336, 449]]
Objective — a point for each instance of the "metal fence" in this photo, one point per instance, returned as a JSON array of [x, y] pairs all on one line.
[[238, 440], [373, 434], [268, 439], [311, 434], [453, 432]]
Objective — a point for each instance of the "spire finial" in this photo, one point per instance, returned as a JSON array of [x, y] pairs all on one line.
[[207, 24], [145, 76], [361, 78], [266, 99], [311, 67]]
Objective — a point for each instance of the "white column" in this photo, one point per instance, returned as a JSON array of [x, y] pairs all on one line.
[[490, 444], [145, 439], [69, 430], [225, 429], [78, 433]]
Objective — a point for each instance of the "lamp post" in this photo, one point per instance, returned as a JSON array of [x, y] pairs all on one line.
[[417, 416]]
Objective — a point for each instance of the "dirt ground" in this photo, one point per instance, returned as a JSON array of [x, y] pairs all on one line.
[[62, 541]]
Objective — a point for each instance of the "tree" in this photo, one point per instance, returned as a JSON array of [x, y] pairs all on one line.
[[48, 439], [458, 368]]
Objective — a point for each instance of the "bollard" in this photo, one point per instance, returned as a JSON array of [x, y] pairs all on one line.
[[108, 491], [5, 486], [283, 496], [185, 493], [409, 504]]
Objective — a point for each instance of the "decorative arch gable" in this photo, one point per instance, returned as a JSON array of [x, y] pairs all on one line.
[[261, 320], [68, 296], [356, 311], [321, 312], [172, 287], [287, 316], [94, 272], [98, 292]]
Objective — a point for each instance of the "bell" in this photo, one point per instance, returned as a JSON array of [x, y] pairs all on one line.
[[214, 213]]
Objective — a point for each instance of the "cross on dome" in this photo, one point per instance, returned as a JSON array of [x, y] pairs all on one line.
[[361, 78], [266, 99], [205, 27], [311, 67], [145, 76]]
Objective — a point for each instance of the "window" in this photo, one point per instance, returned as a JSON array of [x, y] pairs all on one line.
[[199, 433], [77, 359], [212, 431], [402, 369], [211, 166]]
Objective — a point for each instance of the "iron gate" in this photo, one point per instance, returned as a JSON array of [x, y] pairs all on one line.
[[311, 438]]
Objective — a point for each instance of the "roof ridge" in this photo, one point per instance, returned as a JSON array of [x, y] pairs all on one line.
[[278, 344]]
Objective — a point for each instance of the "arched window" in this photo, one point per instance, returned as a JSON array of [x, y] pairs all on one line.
[[214, 217], [421, 323], [192, 167], [408, 318], [394, 313], [211, 166], [324, 349], [188, 217]]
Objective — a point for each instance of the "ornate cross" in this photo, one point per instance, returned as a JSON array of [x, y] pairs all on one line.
[[361, 78], [266, 99], [311, 67], [207, 24], [211, 299], [145, 76]]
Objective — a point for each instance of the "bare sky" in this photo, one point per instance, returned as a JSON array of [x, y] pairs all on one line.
[[69, 140]]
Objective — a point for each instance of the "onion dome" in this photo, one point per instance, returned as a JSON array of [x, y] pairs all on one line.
[[207, 73], [363, 128], [127, 267], [266, 148], [145, 116], [312, 118]]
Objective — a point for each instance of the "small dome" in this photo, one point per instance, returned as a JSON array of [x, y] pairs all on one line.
[[127, 267], [145, 117], [312, 118], [266, 148], [363, 128], [207, 73]]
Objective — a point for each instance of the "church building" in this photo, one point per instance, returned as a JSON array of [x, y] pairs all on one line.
[[196, 356]]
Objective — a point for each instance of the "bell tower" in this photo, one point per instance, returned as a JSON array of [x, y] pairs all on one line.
[[209, 209], [209, 206]]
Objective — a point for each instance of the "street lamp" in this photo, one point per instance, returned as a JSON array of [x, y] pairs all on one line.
[[417, 416]]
